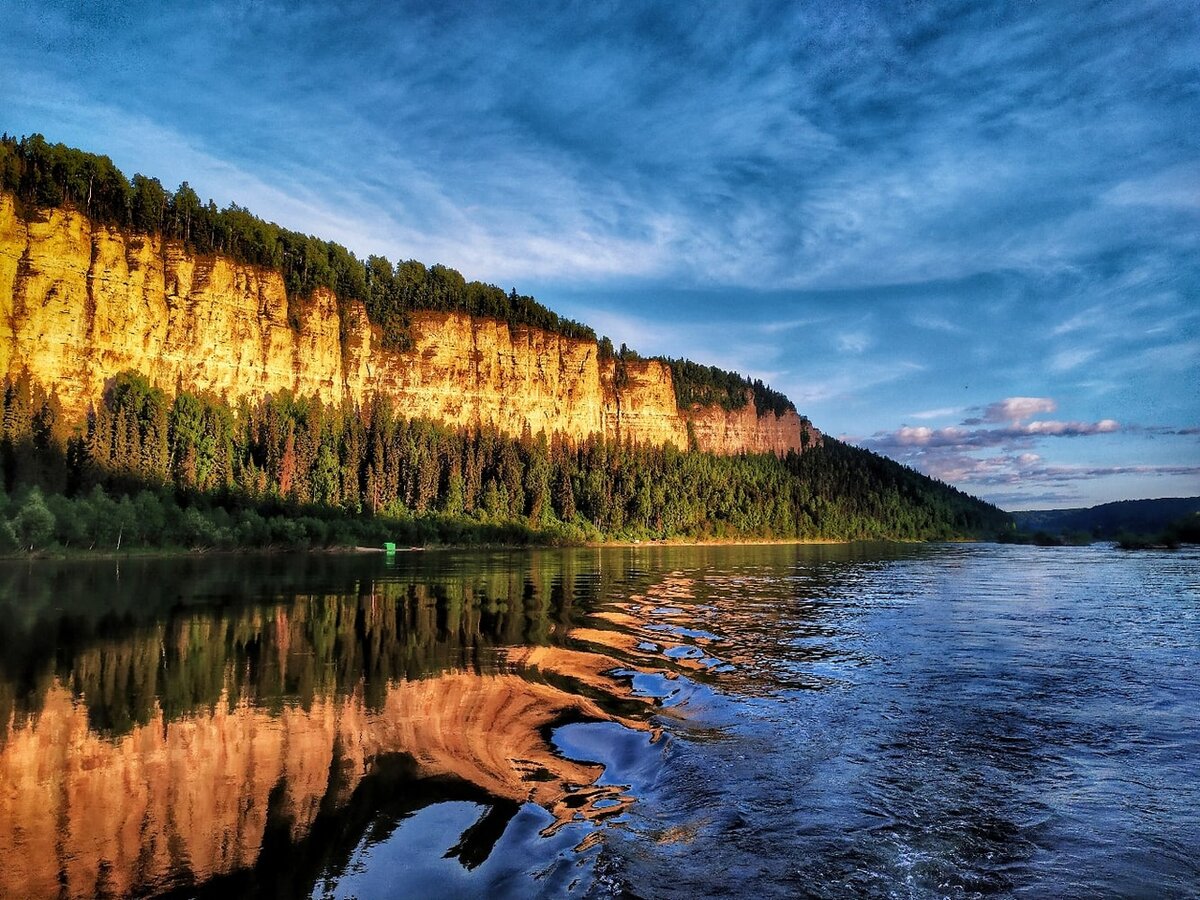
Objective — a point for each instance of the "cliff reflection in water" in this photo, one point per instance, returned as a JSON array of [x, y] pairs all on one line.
[[167, 723]]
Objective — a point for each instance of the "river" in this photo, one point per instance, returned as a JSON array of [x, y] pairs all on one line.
[[826, 721]]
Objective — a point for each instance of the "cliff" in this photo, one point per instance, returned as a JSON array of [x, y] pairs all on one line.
[[80, 302]]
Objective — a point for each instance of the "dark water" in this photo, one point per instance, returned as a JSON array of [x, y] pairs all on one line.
[[759, 721]]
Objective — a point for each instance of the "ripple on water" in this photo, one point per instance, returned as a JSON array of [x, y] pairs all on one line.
[[967, 721]]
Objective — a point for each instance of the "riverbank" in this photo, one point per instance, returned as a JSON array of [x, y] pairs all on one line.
[[68, 553], [97, 522]]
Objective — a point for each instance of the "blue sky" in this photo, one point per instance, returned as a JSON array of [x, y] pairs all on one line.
[[965, 235]]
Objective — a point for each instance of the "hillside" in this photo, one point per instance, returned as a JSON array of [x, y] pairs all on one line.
[[178, 375], [1109, 520]]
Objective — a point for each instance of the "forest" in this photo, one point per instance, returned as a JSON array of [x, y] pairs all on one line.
[[708, 385], [41, 175], [145, 471]]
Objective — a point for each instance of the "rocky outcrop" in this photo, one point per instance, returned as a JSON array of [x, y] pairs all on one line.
[[80, 302]]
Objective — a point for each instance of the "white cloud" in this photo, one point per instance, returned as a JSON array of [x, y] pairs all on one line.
[[1072, 429], [851, 382], [1177, 186], [932, 322], [1087, 317], [853, 342], [791, 324], [1017, 409]]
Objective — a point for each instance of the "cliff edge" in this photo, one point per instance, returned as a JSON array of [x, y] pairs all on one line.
[[80, 302]]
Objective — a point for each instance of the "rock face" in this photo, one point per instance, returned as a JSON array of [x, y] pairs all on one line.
[[81, 302]]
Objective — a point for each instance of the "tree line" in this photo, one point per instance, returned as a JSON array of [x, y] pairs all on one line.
[[697, 384], [148, 470], [709, 385], [42, 175]]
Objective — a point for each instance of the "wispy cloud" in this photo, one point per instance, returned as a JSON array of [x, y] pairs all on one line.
[[960, 438], [938, 323], [1016, 482], [791, 324], [853, 382], [1065, 360], [1083, 319], [853, 342], [1176, 186], [998, 448], [1029, 469], [940, 413], [898, 146]]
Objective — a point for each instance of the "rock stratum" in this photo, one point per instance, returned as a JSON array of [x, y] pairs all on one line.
[[81, 302]]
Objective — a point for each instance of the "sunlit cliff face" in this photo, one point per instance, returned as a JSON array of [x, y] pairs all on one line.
[[80, 303]]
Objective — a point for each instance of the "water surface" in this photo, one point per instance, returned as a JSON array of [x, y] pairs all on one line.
[[664, 722]]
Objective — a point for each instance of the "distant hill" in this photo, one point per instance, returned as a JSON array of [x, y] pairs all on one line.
[[1108, 520]]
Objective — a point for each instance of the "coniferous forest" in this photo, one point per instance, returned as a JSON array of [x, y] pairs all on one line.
[[147, 471]]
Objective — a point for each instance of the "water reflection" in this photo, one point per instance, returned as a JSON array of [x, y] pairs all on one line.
[[819, 721], [165, 727]]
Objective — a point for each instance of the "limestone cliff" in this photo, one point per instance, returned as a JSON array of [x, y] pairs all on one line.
[[80, 302]]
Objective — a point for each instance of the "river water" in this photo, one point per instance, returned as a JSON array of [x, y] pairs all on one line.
[[828, 721]]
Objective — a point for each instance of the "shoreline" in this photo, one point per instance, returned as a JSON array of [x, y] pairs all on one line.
[[64, 554], [732, 542]]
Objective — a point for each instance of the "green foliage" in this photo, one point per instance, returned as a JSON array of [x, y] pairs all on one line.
[[1043, 538], [708, 386], [1132, 524], [394, 293], [143, 471], [33, 523], [1184, 530], [1109, 521], [8, 537], [858, 494], [44, 176]]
